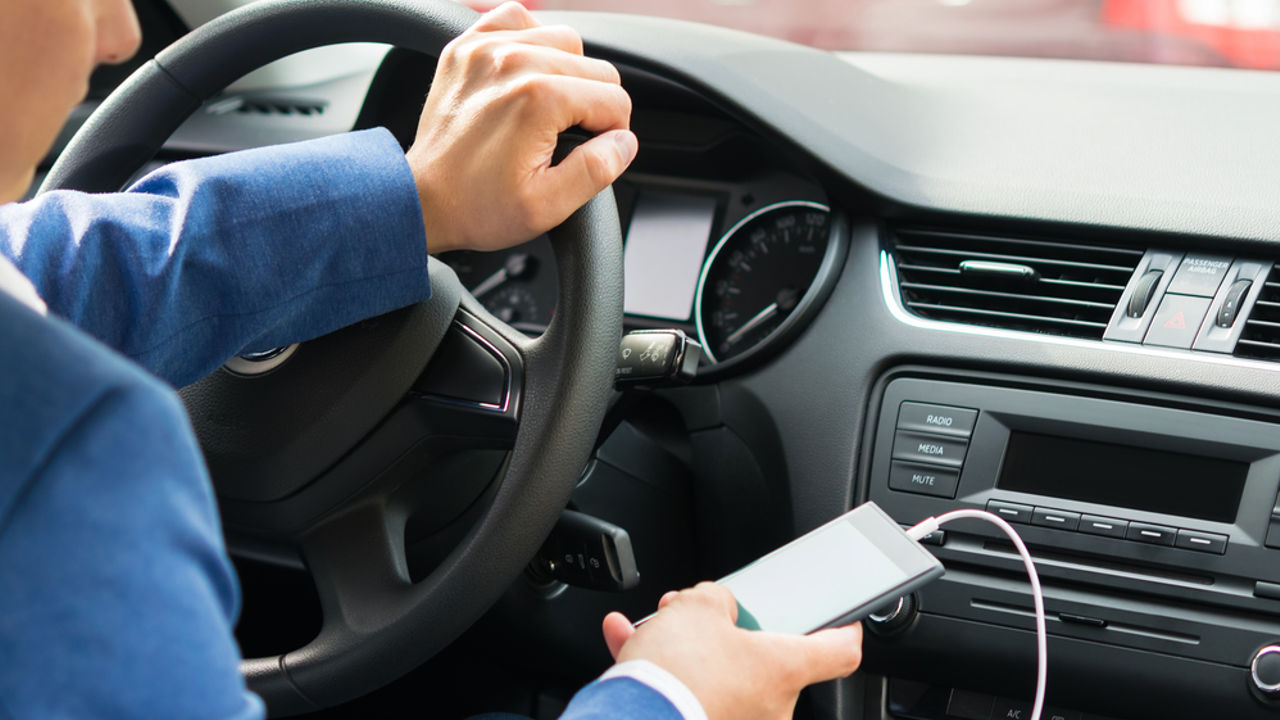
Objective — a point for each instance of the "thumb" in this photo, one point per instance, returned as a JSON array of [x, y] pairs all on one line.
[[617, 631], [830, 654], [590, 168]]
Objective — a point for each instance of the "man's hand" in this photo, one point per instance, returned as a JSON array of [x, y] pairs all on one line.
[[503, 91], [736, 674]]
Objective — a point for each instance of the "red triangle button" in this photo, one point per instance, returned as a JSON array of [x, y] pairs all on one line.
[[1177, 322]]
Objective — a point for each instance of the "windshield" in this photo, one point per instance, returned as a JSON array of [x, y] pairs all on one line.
[[1228, 33]]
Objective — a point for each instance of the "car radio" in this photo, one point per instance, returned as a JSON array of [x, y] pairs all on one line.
[[1156, 529]]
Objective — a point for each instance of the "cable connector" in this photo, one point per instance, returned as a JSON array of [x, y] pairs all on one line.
[[923, 529]]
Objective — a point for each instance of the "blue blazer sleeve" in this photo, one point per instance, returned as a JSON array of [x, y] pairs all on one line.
[[620, 698], [251, 250], [118, 599]]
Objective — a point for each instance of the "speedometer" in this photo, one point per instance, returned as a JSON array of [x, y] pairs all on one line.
[[761, 276]]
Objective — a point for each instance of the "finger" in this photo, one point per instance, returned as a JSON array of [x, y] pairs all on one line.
[[720, 596], [590, 168], [617, 631], [558, 37], [666, 598], [827, 654], [507, 16], [553, 61], [594, 106]]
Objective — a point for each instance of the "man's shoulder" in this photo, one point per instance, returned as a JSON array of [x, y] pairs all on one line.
[[51, 377]]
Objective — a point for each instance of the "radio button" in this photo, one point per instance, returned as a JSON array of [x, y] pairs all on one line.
[[1202, 541], [1153, 534], [1099, 525], [1011, 512], [936, 418], [924, 480], [1061, 519], [931, 449], [1268, 590]]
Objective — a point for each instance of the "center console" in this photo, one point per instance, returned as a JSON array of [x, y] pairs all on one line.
[[1155, 527]]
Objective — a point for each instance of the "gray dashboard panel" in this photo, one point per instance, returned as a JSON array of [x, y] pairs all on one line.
[[1179, 150]]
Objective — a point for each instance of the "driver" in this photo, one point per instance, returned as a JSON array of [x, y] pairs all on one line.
[[117, 598]]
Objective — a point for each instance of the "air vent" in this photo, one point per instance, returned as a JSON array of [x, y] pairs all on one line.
[[266, 106], [1261, 336], [1033, 285]]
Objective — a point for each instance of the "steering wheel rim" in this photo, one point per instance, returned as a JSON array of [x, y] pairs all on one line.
[[388, 625]]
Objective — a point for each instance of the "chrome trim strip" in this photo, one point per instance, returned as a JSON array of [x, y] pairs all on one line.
[[706, 267], [889, 285], [250, 367], [506, 367]]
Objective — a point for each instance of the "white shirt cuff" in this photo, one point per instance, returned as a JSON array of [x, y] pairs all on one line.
[[666, 684], [15, 284]]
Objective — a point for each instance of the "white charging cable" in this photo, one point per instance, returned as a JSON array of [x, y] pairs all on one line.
[[928, 526]]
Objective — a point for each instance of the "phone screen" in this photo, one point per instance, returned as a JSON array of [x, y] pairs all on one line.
[[835, 574]]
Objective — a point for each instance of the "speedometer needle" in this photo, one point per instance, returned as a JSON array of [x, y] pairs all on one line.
[[490, 283], [515, 266], [751, 324]]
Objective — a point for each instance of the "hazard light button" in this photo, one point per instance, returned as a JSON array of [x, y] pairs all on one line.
[[1177, 321]]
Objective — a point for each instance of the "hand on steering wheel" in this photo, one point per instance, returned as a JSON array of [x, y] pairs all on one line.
[[503, 92], [340, 479]]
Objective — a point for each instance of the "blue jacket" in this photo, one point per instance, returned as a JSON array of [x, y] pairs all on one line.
[[117, 598]]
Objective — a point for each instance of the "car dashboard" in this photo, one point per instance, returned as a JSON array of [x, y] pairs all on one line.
[[1043, 288]]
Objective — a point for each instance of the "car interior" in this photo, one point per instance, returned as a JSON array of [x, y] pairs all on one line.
[[1040, 287]]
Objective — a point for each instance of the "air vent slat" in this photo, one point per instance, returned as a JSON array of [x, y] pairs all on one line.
[[1071, 288], [1017, 258], [995, 293], [1073, 283], [1260, 337], [1272, 347], [1019, 316], [1130, 254]]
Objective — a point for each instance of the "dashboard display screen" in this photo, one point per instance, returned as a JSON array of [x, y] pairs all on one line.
[[663, 257], [1157, 481]]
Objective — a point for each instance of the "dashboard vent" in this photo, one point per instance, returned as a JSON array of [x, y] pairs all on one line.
[[281, 107], [246, 105], [1056, 288], [1261, 336]]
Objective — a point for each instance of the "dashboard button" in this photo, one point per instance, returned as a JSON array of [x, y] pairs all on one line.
[[1153, 534], [1006, 709], [936, 418], [1177, 321], [924, 480], [1052, 713], [1202, 541], [1099, 525], [1061, 519], [1268, 590], [933, 449], [1199, 275], [1011, 512]]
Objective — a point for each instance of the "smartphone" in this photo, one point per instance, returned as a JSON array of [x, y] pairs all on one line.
[[832, 576]]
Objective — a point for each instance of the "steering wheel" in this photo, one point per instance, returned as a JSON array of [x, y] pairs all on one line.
[[334, 450]]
